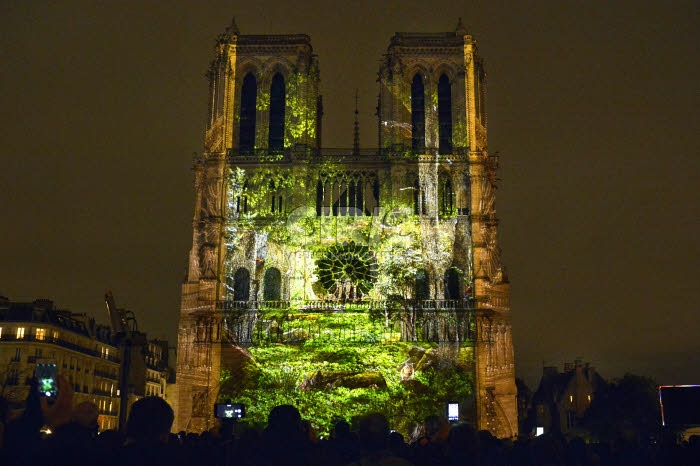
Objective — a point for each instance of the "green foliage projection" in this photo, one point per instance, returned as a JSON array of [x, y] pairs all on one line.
[[345, 364], [300, 113], [337, 354]]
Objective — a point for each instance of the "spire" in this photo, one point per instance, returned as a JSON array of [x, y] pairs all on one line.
[[230, 34], [356, 139], [233, 28], [461, 30]]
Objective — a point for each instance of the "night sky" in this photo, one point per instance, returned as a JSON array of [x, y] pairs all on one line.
[[593, 107]]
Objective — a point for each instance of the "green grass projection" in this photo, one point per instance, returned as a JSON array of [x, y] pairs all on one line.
[[346, 364]]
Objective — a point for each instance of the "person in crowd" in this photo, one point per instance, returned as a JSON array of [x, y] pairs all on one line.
[[147, 432], [374, 436], [284, 440]]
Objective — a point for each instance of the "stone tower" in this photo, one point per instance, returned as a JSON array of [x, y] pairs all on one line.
[[370, 274], [432, 104]]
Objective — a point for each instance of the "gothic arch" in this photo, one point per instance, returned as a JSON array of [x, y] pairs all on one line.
[[418, 113], [446, 69], [444, 93], [249, 65], [247, 112], [278, 103], [417, 68], [276, 65]]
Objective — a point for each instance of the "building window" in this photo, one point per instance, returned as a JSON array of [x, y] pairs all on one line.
[[0, 332], [571, 398], [277, 102], [452, 283], [445, 115], [420, 206], [247, 114], [12, 377], [18, 355], [418, 115], [40, 333], [446, 197], [55, 335], [20, 333]]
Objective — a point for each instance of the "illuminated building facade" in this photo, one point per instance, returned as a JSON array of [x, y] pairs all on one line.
[[360, 279], [83, 352]]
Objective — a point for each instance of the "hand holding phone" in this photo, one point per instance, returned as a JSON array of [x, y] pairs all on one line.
[[58, 413]]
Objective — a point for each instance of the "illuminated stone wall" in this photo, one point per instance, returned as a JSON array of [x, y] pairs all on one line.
[[369, 277]]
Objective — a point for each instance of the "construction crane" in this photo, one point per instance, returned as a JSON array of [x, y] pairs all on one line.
[[120, 319], [126, 337]]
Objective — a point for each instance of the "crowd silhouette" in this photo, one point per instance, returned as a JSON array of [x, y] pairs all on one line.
[[289, 439]]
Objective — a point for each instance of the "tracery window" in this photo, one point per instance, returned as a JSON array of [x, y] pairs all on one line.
[[351, 194]]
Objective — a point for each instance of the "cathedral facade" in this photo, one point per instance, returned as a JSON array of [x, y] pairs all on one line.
[[365, 279]]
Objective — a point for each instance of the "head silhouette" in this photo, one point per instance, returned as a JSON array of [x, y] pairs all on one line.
[[150, 420]]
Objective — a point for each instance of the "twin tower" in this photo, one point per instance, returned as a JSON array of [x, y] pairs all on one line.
[[297, 248]]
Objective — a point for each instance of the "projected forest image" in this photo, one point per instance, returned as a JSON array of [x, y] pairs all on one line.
[[343, 308]]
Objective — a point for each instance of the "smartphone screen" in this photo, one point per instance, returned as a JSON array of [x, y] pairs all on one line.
[[46, 377], [453, 412], [224, 411]]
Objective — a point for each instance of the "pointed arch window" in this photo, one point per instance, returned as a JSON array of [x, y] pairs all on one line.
[[249, 94], [277, 102], [418, 114], [445, 115]]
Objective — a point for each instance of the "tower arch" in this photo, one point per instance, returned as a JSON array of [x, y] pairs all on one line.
[[248, 114], [418, 113], [444, 110]]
